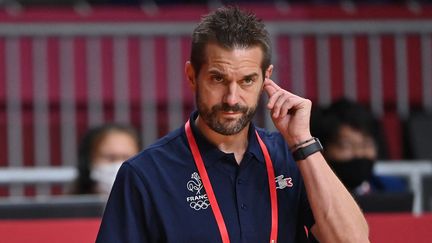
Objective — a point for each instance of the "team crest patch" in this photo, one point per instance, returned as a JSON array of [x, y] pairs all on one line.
[[198, 200], [282, 182]]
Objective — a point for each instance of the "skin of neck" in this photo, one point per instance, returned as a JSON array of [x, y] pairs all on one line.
[[236, 143]]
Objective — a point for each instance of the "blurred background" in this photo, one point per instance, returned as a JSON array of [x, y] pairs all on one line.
[[67, 66]]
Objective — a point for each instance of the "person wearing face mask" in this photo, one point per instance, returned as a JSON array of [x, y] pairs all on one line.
[[351, 136], [100, 155]]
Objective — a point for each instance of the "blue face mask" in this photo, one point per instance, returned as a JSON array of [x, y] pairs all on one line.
[[353, 172]]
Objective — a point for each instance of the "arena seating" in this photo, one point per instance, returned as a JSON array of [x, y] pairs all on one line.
[[63, 71]]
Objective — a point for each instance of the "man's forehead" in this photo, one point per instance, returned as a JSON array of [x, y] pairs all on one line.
[[217, 55], [213, 50]]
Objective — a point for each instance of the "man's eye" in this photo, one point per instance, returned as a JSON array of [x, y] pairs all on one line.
[[248, 81], [218, 79]]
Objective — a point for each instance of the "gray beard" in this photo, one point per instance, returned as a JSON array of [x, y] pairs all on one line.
[[209, 116]]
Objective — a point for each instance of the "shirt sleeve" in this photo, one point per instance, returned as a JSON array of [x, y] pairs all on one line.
[[125, 218]]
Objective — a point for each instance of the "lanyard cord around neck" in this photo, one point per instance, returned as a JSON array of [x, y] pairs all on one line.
[[210, 193]]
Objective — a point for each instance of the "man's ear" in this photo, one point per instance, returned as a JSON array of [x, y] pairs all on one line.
[[269, 71], [190, 75]]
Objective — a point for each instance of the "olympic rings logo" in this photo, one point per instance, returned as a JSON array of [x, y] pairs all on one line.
[[200, 204]]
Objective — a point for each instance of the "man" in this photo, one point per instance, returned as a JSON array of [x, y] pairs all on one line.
[[221, 179]]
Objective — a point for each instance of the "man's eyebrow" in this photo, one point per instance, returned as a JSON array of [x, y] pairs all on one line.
[[216, 72], [251, 76], [221, 74]]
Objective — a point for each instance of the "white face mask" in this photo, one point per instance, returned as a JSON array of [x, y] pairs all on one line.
[[104, 175]]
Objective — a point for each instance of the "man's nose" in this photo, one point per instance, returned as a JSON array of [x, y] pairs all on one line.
[[232, 94]]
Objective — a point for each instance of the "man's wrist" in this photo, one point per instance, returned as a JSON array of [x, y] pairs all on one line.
[[298, 141], [302, 143], [304, 151]]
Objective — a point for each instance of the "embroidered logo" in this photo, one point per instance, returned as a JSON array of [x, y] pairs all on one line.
[[195, 184], [198, 201], [282, 182]]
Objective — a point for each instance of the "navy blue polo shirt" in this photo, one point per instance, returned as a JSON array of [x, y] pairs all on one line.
[[158, 195]]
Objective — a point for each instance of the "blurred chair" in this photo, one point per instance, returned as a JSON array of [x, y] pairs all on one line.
[[427, 193], [419, 135], [414, 171], [46, 205], [386, 202], [419, 141], [87, 206], [43, 177]]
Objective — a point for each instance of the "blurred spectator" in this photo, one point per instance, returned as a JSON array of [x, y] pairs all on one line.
[[350, 136], [101, 152]]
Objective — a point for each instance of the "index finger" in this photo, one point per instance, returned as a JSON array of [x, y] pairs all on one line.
[[270, 87]]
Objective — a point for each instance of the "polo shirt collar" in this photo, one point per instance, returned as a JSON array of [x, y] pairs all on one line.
[[211, 154], [253, 146]]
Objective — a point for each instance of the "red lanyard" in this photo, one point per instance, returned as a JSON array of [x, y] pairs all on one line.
[[212, 198]]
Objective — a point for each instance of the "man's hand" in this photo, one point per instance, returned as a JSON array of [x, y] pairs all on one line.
[[290, 113]]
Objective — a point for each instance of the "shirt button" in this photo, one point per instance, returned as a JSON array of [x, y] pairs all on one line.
[[243, 206]]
